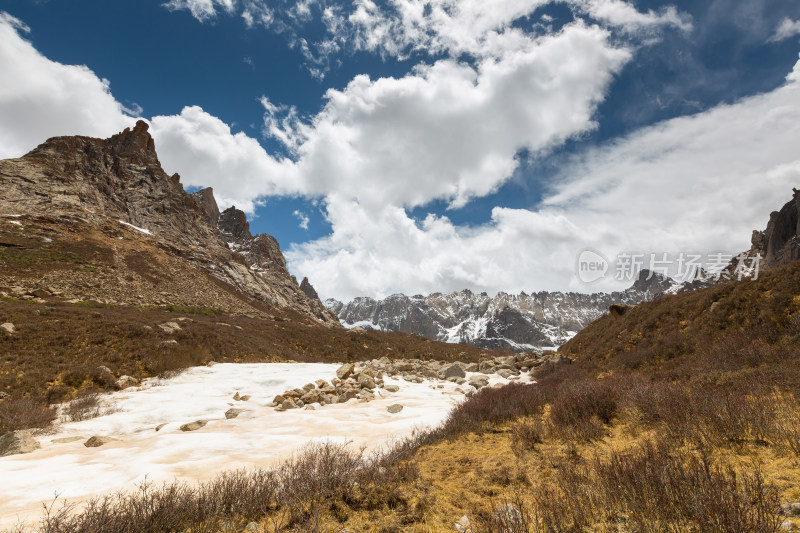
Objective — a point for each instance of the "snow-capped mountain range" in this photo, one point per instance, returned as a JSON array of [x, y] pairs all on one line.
[[520, 322]]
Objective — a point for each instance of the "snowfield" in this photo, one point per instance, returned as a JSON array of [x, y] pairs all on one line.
[[260, 436]]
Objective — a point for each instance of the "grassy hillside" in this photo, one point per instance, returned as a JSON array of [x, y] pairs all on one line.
[[682, 415]]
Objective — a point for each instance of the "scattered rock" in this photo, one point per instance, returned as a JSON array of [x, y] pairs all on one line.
[[309, 408], [788, 525], [4, 396], [236, 397], [97, 441], [244, 398], [790, 509], [211, 363], [8, 327], [170, 343], [345, 370], [15, 442], [126, 381], [464, 525], [233, 413], [391, 388], [452, 371], [160, 426], [194, 426], [479, 380], [104, 369], [252, 526], [395, 408], [365, 381], [170, 327], [505, 373]]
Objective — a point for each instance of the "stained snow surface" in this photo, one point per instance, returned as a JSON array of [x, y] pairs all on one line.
[[260, 436]]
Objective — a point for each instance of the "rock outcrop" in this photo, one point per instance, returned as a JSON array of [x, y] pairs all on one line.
[[309, 290], [779, 243], [108, 204]]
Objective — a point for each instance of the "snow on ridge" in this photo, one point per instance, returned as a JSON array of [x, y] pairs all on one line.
[[137, 228]]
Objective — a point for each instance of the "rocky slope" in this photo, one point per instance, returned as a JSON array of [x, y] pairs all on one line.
[[100, 219], [519, 322]]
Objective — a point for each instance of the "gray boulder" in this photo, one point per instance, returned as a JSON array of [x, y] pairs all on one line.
[[365, 381], [452, 371], [15, 442], [395, 408]]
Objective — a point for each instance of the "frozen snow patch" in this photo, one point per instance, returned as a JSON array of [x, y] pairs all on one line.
[[137, 228]]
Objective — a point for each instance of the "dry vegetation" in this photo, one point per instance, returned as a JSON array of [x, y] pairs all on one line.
[[670, 419], [57, 349]]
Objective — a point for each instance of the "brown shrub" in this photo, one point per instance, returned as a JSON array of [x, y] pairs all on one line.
[[24, 413]]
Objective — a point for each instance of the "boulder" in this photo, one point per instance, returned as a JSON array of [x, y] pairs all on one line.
[[345, 370], [507, 518], [464, 525], [790, 509], [15, 442], [97, 441], [505, 373], [8, 327], [322, 384], [452, 371], [394, 408], [365, 381], [478, 380], [245, 398], [126, 381], [194, 426], [391, 388], [233, 413], [170, 327]]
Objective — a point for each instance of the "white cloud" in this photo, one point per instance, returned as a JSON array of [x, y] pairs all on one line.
[[449, 130], [698, 183], [302, 218], [40, 98], [202, 10], [204, 151], [623, 14], [786, 29]]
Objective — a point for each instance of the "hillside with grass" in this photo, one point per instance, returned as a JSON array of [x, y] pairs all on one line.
[[677, 415]]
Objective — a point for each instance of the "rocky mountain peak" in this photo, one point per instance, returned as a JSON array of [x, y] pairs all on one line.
[[208, 205], [308, 289], [111, 196], [233, 224]]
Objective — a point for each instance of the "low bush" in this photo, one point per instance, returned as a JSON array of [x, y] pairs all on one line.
[[24, 413]]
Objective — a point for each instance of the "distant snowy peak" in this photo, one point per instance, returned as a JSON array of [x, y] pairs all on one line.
[[520, 322]]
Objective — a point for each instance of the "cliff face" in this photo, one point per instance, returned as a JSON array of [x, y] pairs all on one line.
[[779, 243], [109, 203]]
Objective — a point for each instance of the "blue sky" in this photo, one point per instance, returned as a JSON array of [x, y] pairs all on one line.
[[418, 146]]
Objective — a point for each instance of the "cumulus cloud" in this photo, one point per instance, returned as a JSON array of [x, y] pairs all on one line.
[[204, 150], [698, 183], [450, 130], [40, 98], [786, 29]]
